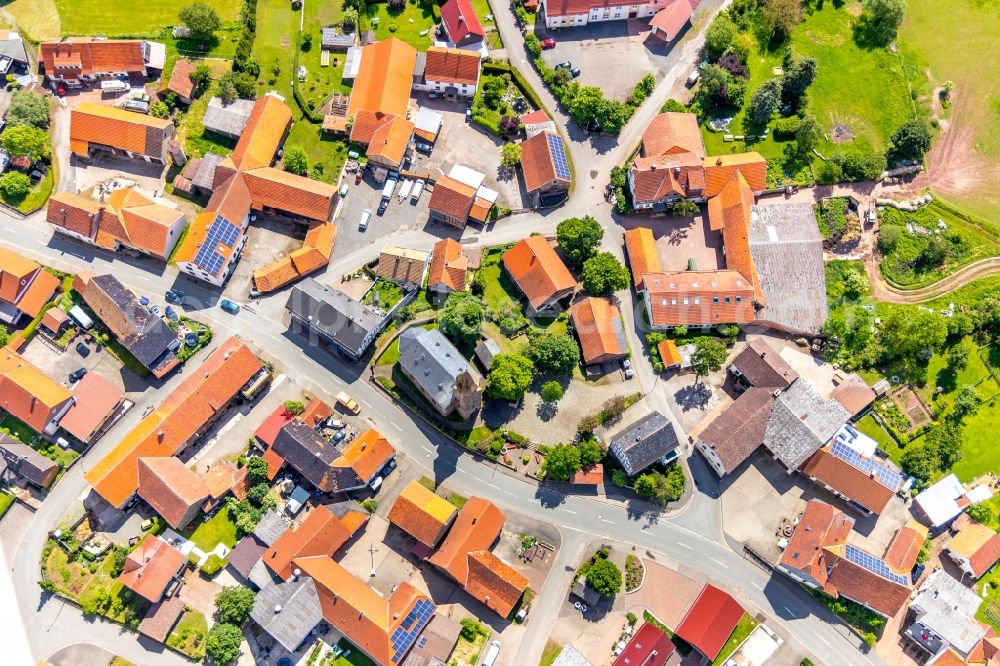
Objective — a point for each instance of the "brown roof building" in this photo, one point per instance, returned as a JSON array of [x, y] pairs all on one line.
[[760, 365], [94, 128], [737, 432], [95, 401], [449, 71], [854, 394], [545, 164], [402, 265], [322, 533], [151, 567], [422, 514], [451, 201], [698, 298], [598, 326], [84, 59], [171, 489], [21, 462], [539, 273], [180, 80], [25, 287], [449, 264], [975, 548]]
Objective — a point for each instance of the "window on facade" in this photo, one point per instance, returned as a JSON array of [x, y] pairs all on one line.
[[715, 300], [697, 300], [739, 299], [685, 301], [727, 299], [673, 301]]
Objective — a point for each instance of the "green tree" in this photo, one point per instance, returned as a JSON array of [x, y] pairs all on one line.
[[685, 208], [509, 377], [4, 336], [222, 645], [709, 355], [243, 83], [27, 108], [294, 407], [673, 106], [257, 493], [233, 604], [14, 185], [561, 462], [612, 116], [662, 488], [461, 318], [587, 106], [27, 141], [958, 357], [200, 19], [256, 469], [856, 284], [920, 461], [807, 136], [719, 35], [889, 236], [159, 110], [578, 238], [911, 334], [857, 164], [350, 18], [603, 273], [966, 402], [510, 155], [605, 577], [982, 513], [780, 16], [764, 102], [202, 78], [911, 140], [880, 20], [713, 89], [533, 45], [552, 391], [493, 88], [591, 452], [799, 75], [227, 90], [296, 161], [553, 353], [946, 442]]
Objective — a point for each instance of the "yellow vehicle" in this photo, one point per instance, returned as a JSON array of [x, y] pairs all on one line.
[[348, 403]]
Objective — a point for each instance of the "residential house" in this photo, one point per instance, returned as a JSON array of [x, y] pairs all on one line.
[[801, 422], [96, 129], [854, 394], [735, 434], [248, 553], [82, 61], [329, 466], [821, 556], [649, 646], [465, 556], [227, 119], [975, 548], [460, 23], [180, 80], [640, 248], [146, 336], [443, 376], [321, 534], [545, 166], [670, 21], [25, 287], [848, 467], [573, 13], [650, 440], [422, 514], [536, 122], [171, 489], [945, 500], [598, 326], [20, 462], [336, 319], [30, 395], [760, 365], [54, 322], [451, 202], [436, 643], [710, 621], [95, 401], [942, 617], [670, 165], [389, 140], [447, 71], [178, 421], [288, 611], [448, 268], [126, 219], [13, 56], [311, 257], [698, 299], [381, 89], [539, 273], [402, 265], [152, 567], [161, 618]]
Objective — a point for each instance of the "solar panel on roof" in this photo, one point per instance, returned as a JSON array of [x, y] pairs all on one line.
[[888, 477], [414, 622], [221, 231], [558, 151], [873, 564]]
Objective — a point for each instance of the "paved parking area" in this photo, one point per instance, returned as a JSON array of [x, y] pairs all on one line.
[[59, 364], [270, 238], [102, 168], [611, 55]]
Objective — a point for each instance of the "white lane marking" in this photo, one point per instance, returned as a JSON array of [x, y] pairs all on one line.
[[757, 585], [566, 510], [608, 521], [366, 403], [393, 424], [823, 640], [478, 479], [683, 545], [721, 564], [496, 487], [427, 450]]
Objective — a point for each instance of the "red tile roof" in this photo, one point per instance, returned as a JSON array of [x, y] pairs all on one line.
[[383, 82], [537, 161], [494, 582], [670, 356], [180, 78], [648, 647], [642, 257], [821, 525], [853, 394], [977, 543], [538, 271], [673, 134], [74, 213], [461, 22], [710, 621], [390, 139], [85, 56], [109, 126], [573, 7], [720, 169], [27, 393], [671, 19], [848, 480], [863, 586], [905, 546], [262, 136], [592, 475], [96, 400], [320, 534], [421, 514], [599, 328], [170, 488], [477, 526], [448, 266], [452, 198], [268, 430], [150, 567], [290, 193], [446, 65], [699, 298]]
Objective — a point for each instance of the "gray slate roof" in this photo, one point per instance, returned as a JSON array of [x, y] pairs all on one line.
[[313, 456], [585, 592], [227, 119], [948, 608], [801, 422], [333, 313], [763, 367], [144, 334], [432, 362], [204, 175], [570, 657], [246, 554], [24, 461], [644, 442], [786, 247], [332, 39], [270, 527], [486, 351], [299, 613], [13, 48]]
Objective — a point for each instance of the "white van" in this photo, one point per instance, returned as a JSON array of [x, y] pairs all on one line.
[[365, 216], [404, 190], [491, 654], [343, 190], [418, 187], [376, 483], [390, 185]]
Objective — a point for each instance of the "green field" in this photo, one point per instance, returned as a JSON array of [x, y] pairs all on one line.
[[406, 24], [94, 17], [217, 529]]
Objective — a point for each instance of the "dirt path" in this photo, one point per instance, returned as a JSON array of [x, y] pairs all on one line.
[[883, 291]]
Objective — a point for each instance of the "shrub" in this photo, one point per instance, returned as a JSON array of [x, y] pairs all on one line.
[[223, 643], [14, 185], [552, 391], [785, 128], [605, 577], [294, 407]]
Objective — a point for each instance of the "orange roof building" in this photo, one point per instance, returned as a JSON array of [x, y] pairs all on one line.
[[539, 273], [451, 201], [698, 298], [975, 548], [545, 164], [642, 257], [422, 514], [328, 465], [171, 489], [95, 401], [322, 534], [390, 141], [180, 80], [720, 169], [312, 256], [183, 416], [382, 86], [30, 395], [449, 264], [599, 328], [150, 568], [494, 582], [448, 71], [83, 59], [670, 356], [94, 128], [25, 287]]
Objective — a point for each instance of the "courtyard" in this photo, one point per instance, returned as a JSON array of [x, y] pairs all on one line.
[[59, 364]]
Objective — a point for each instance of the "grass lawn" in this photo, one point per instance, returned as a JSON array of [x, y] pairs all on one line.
[[189, 634], [550, 654], [388, 293], [321, 81], [35, 198], [6, 500], [745, 627], [405, 24], [195, 138], [869, 426], [391, 354], [94, 17], [20, 431], [38, 19], [991, 598], [217, 529], [356, 658], [118, 661]]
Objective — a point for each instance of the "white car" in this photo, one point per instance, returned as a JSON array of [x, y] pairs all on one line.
[[365, 217]]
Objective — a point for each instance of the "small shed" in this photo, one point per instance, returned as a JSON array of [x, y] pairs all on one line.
[[297, 500], [486, 351], [334, 40], [584, 592], [55, 321]]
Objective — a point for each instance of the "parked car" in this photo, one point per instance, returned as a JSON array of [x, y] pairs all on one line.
[[424, 147], [388, 467], [77, 375], [229, 306], [365, 217], [574, 72], [491, 654], [348, 403], [549, 43], [693, 78], [375, 484], [382, 206], [432, 95], [468, 114], [174, 296], [335, 424], [82, 349], [171, 313], [565, 64], [157, 312], [343, 190], [339, 435]]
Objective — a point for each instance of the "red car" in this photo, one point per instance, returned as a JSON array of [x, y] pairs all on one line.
[[549, 43]]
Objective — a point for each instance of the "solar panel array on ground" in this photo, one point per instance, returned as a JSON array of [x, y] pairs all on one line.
[[873, 564], [885, 475], [404, 635], [221, 231], [559, 159]]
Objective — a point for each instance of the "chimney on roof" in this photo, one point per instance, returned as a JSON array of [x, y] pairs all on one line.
[[474, 520], [718, 161], [296, 573]]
